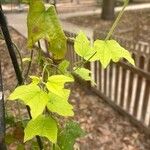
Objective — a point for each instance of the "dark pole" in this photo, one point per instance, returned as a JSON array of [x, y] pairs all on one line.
[[5, 31], [108, 9], [2, 114], [10, 47]]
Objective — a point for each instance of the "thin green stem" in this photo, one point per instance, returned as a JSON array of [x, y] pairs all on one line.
[[56, 68], [85, 61], [29, 66], [53, 146], [117, 20], [109, 33], [20, 57], [43, 72]]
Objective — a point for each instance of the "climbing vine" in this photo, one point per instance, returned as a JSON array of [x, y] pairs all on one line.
[[47, 94]]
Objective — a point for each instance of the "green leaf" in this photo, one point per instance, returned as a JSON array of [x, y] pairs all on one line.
[[110, 50], [56, 147], [63, 67], [44, 24], [42, 126], [10, 120], [56, 83], [33, 96], [9, 139], [20, 147], [83, 47], [83, 73], [35, 145], [60, 105], [26, 59], [35, 80], [67, 137]]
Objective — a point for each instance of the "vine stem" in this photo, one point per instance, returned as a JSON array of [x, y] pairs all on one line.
[[43, 72], [109, 33], [117, 20], [19, 54], [85, 62], [29, 66]]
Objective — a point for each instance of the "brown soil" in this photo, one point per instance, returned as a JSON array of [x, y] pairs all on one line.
[[133, 25], [105, 128]]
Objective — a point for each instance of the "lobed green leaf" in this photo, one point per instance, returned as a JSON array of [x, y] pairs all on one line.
[[56, 84], [60, 105], [32, 96], [102, 50], [42, 126], [44, 24], [110, 50], [83, 73], [63, 67], [67, 137], [83, 47]]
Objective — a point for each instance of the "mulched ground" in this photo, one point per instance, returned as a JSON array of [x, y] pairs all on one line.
[[134, 25], [106, 129]]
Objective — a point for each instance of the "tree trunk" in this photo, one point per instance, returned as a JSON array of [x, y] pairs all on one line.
[[108, 9]]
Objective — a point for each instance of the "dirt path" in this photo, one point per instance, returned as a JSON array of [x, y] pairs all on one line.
[[18, 20]]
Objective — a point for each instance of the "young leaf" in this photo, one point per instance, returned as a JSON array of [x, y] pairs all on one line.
[[60, 105], [33, 96], [67, 137], [26, 59], [83, 47], [83, 73], [56, 83], [63, 67], [110, 50], [42, 126], [44, 24], [35, 80]]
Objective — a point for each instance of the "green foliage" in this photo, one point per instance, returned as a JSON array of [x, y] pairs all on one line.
[[44, 24], [9, 139], [26, 59], [103, 50], [83, 73], [20, 147], [63, 67], [68, 135], [35, 80], [83, 47], [60, 105], [42, 126], [33, 96], [56, 83], [110, 50], [47, 95]]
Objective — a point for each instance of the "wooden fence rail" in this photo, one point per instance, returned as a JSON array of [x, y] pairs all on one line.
[[125, 87]]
